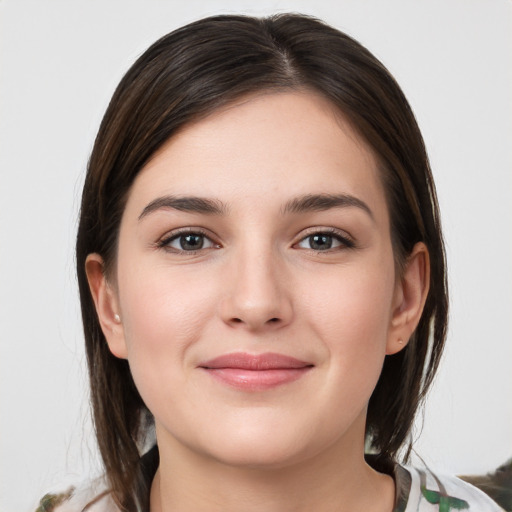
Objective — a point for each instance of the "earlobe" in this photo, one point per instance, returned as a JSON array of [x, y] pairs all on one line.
[[106, 303], [410, 295]]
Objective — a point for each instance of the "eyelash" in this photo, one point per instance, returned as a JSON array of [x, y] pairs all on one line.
[[165, 242], [345, 242]]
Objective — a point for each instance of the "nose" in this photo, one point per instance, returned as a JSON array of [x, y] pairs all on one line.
[[257, 297]]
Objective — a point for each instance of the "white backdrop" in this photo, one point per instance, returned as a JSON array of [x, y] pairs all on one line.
[[60, 62]]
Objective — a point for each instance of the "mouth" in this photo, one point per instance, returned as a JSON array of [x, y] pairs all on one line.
[[252, 372]]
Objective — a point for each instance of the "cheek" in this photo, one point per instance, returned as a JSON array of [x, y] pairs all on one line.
[[163, 303], [354, 303], [353, 319], [164, 314]]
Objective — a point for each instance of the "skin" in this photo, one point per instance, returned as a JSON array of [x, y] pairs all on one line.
[[259, 285]]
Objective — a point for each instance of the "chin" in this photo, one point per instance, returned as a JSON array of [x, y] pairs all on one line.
[[260, 447], [258, 456]]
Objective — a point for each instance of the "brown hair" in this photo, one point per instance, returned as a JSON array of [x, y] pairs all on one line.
[[188, 74]]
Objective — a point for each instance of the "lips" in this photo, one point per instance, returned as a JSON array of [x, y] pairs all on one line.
[[252, 372]]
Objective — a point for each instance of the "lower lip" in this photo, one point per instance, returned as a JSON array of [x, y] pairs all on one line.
[[257, 380]]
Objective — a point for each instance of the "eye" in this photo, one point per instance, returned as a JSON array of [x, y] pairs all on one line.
[[189, 241], [325, 241]]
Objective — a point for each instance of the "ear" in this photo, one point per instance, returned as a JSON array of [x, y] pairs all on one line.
[[107, 307], [411, 292]]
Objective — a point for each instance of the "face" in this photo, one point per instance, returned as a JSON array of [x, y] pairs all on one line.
[[256, 283]]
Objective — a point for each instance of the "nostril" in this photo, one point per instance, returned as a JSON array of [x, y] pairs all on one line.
[[254, 323]]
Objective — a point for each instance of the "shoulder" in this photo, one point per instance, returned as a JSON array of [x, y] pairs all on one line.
[[91, 497], [431, 491]]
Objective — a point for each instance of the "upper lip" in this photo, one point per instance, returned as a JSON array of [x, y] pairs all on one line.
[[255, 362]]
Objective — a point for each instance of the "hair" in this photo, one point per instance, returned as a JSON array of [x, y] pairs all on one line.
[[189, 74]]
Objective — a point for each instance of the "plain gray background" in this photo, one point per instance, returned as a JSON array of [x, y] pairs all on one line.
[[60, 62]]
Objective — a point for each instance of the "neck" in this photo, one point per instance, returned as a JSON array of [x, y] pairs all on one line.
[[338, 479]]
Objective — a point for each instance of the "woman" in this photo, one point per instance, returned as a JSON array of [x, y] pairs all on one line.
[[262, 278]]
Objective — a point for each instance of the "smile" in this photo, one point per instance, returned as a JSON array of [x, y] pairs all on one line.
[[255, 372]]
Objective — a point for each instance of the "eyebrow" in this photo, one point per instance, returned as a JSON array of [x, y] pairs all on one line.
[[302, 204], [185, 204], [322, 202]]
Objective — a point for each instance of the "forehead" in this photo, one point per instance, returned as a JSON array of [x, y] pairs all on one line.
[[269, 146]]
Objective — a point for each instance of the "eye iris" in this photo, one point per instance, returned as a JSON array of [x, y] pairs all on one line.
[[320, 242], [191, 242]]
